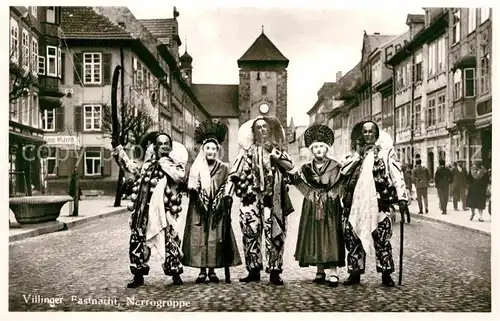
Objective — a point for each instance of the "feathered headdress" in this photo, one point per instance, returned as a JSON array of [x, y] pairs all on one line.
[[210, 130], [319, 133]]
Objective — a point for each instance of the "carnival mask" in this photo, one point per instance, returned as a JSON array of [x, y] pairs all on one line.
[[261, 131], [210, 149], [319, 151], [369, 133], [163, 145]]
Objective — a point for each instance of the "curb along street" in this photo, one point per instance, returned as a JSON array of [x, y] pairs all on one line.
[[432, 219], [55, 226]]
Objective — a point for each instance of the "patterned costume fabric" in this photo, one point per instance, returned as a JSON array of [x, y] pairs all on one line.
[[260, 182], [147, 176], [390, 187]]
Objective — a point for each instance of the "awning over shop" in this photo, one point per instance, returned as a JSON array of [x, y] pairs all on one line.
[[48, 102], [468, 61], [16, 137]]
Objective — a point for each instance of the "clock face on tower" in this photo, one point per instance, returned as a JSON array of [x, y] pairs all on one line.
[[264, 108]]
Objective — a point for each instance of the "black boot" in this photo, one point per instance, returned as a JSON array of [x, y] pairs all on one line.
[[387, 280], [137, 281], [176, 280], [253, 276], [227, 274], [353, 279], [275, 279]]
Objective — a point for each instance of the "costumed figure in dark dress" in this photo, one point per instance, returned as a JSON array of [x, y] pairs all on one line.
[[374, 182], [478, 188], [320, 240], [155, 206], [209, 240], [259, 176]]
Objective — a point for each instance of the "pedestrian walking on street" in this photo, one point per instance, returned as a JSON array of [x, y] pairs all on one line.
[[443, 178], [320, 237], [155, 206], [459, 185], [478, 186], [209, 240], [373, 182], [259, 176], [421, 178]]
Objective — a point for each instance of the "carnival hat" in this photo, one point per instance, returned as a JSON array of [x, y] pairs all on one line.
[[319, 133], [210, 130], [246, 137]]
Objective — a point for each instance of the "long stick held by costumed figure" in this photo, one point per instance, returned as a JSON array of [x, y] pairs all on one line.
[[114, 105]]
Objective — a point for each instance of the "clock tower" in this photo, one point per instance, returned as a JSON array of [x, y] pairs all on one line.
[[263, 82]]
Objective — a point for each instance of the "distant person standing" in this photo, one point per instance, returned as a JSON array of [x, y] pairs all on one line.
[[421, 178], [459, 186], [408, 180], [443, 178], [478, 185]]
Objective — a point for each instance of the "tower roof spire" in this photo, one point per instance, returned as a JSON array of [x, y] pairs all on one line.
[[262, 29]]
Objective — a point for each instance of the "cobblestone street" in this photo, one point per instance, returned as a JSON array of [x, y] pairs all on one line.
[[445, 269]]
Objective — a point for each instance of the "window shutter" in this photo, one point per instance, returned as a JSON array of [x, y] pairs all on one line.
[[64, 163], [78, 119], [63, 64], [106, 162], [78, 70], [106, 67], [59, 112]]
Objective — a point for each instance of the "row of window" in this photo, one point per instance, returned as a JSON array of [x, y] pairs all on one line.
[[92, 118], [25, 110], [471, 21], [28, 53], [435, 114], [93, 163]]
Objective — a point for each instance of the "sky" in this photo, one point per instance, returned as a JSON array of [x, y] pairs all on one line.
[[317, 41]]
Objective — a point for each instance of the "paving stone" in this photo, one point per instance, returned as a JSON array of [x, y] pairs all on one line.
[[445, 269]]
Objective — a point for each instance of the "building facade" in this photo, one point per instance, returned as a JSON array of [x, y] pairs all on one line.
[[152, 84], [430, 88], [469, 84], [35, 55], [437, 95]]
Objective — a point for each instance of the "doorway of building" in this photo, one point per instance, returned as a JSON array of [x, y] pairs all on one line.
[[430, 162], [486, 147]]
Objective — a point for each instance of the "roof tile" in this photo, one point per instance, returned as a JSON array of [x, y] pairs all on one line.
[[263, 50], [218, 100], [84, 22]]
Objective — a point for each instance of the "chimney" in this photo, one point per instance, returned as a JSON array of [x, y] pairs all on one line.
[[376, 33], [338, 76]]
